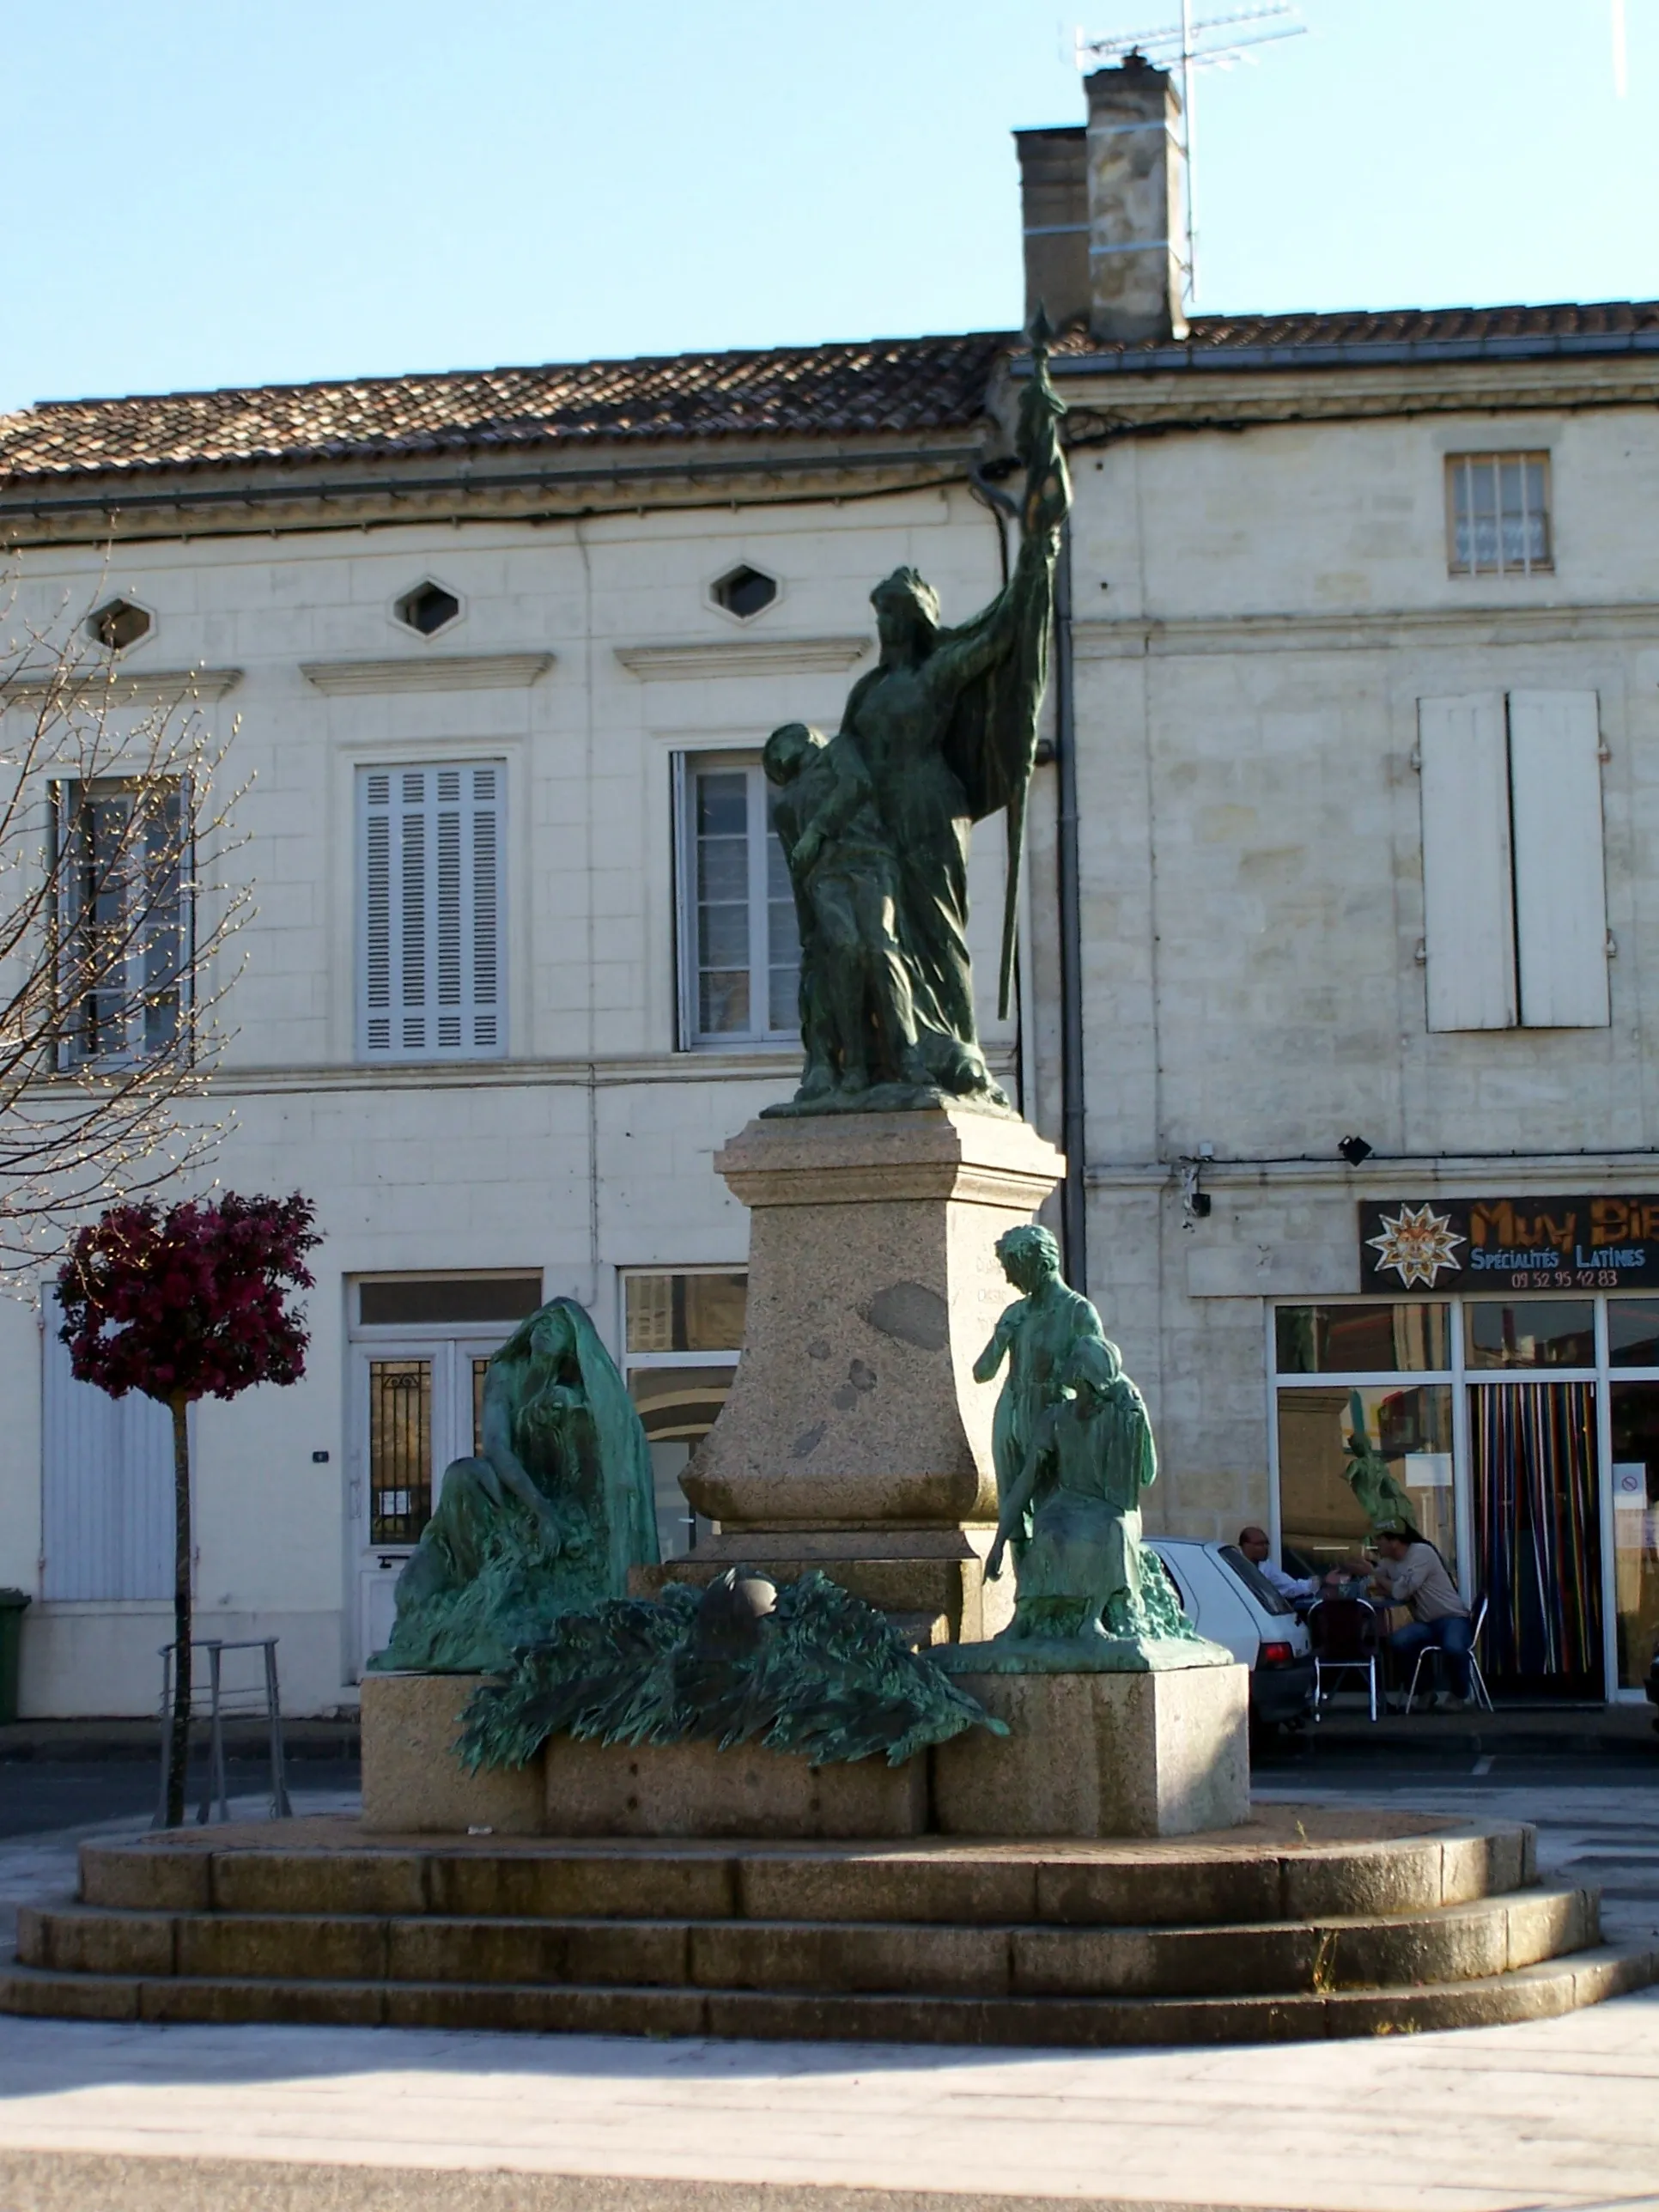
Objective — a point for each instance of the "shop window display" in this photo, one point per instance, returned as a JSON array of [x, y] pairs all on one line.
[[1349, 1457], [1368, 1339], [1633, 1332], [1529, 1332]]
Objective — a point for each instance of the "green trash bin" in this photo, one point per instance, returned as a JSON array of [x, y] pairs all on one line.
[[12, 1605]]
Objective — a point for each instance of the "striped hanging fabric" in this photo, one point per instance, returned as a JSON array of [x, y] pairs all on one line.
[[1537, 1537]]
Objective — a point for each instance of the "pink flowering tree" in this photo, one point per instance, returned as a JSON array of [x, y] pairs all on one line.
[[186, 1304]]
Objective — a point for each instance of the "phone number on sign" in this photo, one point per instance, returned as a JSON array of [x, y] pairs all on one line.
[[1567, 1279]]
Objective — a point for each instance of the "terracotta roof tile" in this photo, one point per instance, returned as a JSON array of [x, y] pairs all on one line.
[[884, 387], [1217, 336]]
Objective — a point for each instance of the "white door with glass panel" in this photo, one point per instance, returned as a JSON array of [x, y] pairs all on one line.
[[420, 1352]]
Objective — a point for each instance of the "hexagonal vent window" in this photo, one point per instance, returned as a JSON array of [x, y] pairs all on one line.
[[428, 608], [745, 592], [119, 624]]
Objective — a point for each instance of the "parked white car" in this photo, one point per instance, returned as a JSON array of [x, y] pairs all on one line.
[[1228, 1600]]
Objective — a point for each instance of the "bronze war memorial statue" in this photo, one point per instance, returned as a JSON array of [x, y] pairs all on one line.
[[875, 820], [547, 1518]]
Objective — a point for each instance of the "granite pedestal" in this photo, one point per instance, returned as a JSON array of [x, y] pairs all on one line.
[[1099, 1754], [855, 1438], [1087, 1755]]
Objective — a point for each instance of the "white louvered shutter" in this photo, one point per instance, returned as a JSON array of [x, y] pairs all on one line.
[[431, 867], [1468, 901], [1560, 880], [107, 1486]]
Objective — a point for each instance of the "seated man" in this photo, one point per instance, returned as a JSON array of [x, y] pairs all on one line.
[[1253, 1542], [1409, 1572]]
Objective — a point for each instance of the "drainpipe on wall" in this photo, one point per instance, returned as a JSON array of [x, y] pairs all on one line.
[[1073, 1216]]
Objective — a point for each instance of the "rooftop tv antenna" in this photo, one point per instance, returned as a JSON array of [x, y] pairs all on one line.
[[1216, 43]]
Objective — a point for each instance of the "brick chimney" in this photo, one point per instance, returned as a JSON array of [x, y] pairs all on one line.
[[1102, 209], [1136, 193], [1053, 208]]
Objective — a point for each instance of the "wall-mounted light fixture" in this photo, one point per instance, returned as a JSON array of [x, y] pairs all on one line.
[[1194, 1202], [1354, 1149]]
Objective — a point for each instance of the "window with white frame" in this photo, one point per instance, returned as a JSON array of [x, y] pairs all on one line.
[[738, 944], [682, 1330], [1514, 882], [431, 872], [125, 918], [1497, 514]]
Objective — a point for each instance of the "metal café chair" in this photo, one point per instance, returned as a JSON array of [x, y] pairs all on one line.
[[1347, 1637], [1477, 1680]]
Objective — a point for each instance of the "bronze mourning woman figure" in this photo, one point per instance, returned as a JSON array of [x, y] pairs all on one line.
[[941, 732]]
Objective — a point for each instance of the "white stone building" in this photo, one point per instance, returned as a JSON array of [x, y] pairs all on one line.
[[1348, 832], [504, 651], [1364, 651]]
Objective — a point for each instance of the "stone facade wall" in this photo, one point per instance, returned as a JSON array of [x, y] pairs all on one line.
[[588, 1148], [1258, 614]]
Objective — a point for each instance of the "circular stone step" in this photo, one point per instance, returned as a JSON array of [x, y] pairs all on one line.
[[1532, 1993], [1491, 1936], [1291, 1863], [1306, 1922]]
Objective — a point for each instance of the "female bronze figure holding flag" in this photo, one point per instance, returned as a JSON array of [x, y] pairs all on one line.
[[940, 733]]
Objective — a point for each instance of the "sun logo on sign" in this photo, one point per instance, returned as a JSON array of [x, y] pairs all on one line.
[[1418, 1243]]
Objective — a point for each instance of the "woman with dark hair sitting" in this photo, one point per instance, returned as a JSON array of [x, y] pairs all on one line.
[[1410, 1571]]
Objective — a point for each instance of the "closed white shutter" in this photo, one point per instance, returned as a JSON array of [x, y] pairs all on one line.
[[107, 1481], [1468, 901], [431, 867], [1560, 883]]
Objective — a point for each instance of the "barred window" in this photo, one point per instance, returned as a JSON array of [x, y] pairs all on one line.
[[1497, 513]]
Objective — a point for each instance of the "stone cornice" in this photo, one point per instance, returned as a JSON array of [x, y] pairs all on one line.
[[1224, 395], [1379, 630], [397, 493], [682, 1068], [155, 687], [957, 1152], [743, 656], [1457, 1175], [445, 671]]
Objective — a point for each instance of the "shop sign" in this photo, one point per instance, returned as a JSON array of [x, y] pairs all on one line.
[[1441, 1244]]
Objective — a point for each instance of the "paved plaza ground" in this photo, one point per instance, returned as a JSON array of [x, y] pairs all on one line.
[[1560, 2112]]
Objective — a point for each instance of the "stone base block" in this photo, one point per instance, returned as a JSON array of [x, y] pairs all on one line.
[[1154, 1755], [696, 1789], [413, 1782]]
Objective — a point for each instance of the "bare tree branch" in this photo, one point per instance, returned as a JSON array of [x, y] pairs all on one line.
[[118, 912]]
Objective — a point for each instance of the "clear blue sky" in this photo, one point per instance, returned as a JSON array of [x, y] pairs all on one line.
[[202, 192]]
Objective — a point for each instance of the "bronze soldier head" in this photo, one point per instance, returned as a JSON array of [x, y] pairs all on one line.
[[907, 613]]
